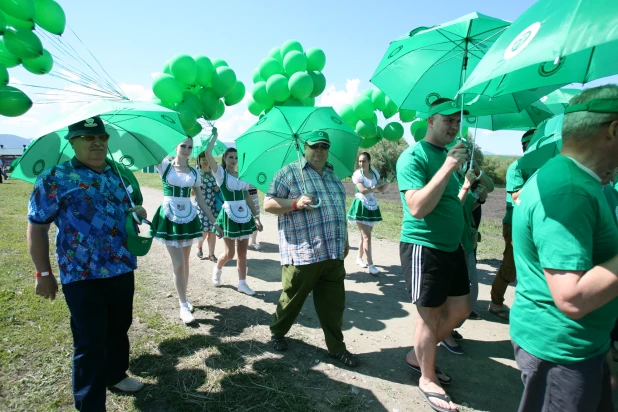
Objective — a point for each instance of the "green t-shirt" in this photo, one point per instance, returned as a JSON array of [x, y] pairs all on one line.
[[563, 222], [611, 194], [442, 228], [515, 180]]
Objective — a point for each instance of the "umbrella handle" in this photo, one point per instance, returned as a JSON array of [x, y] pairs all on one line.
[[140, 220], [316, 205]]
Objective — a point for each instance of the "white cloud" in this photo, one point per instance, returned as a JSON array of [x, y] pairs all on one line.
[[337, 98], [137, 92], [20, 121], [154, 74]]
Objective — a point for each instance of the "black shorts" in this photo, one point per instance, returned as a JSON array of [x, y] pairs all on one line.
[[433, 275]]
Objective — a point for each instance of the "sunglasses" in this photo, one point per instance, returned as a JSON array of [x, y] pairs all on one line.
[[91, 138], [317, 146]]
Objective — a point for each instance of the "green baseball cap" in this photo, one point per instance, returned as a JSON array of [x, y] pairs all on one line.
[[136, 244], [595, 105], [318, 136], [91, 126], [446, 109]]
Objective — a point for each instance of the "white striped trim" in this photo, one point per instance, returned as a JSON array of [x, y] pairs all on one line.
[[417, 266]]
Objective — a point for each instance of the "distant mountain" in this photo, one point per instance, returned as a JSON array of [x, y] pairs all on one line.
[[11, 141], [485, 152]]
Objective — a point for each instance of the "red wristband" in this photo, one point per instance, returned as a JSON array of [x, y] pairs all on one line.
[[294, 206], [466, 188], [42, 274]]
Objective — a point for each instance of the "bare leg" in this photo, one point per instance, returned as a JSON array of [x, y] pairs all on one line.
[[253, 240], [366, 241], [228, 253], [212, 240], [241, 263], [201, 242], [180, 266]]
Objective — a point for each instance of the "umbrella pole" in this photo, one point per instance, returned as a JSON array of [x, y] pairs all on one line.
[[302, 175], [135, 217], [474, 143]]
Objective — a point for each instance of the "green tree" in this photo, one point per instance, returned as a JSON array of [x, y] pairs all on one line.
[[384, 155]]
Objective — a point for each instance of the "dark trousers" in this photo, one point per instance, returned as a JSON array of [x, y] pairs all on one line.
[[325, 280], [552, 387], [506, 273], [101, 314]]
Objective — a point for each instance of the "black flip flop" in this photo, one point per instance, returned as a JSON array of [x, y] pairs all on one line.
[[437, 370], [444, 397]]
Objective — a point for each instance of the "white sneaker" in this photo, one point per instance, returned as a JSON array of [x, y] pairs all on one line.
[[359, 262], [190, 306], [216, 276], [373, 270], [244, 288], [186, 316]]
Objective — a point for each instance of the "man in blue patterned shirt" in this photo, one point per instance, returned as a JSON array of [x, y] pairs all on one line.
[[86, 200], [313, 241]]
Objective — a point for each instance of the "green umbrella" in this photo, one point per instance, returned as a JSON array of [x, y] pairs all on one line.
[[545, 144], [141, 135], [553, 43], [200, 142], [277, 140], [482, 116], [430, 63], [559, 99]]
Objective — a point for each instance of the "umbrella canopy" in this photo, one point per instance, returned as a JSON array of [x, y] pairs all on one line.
[[277, 140], [545, 144], [559, 99], [430, 63], [553, 43], [141, 135], [200, 142], [482, 116]]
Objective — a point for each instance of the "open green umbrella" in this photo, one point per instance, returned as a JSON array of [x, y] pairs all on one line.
[[141, 135], [482, 117], [545, 144], [200, 142], [559, 99], [430, 63], [553, 43], [277, 139]]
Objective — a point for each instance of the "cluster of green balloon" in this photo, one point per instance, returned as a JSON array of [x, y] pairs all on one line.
[[362, 116], [20, 45], [418, 129], [289, 76], [197, 87]]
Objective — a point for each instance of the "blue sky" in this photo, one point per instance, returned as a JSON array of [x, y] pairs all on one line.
[[134, 38]]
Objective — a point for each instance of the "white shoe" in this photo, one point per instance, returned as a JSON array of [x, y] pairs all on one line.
[[373, 270], [129, 385], [244, 288], [359, 262], [216, 276], [186, 316], [190, 306]]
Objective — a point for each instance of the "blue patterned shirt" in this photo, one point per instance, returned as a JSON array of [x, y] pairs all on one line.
[[310, 235], [89, 209]]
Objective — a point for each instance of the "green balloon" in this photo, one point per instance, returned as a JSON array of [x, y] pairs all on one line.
[[4, 75], [166, 69], [40, 65], [294, 62], [348, 115], [6, 57], [391, 108], [275, 53], [205, 70], [23, 43], [209, 101], [277, 88], [308, 102], [2, 22], [379, 99], [236, 95], [219, 111], [393, 131], [380, 133], [254, 107], [464, 134], [13, 22], [289, 46], [368, 93], [184, 69], [195, 130], [269, 67], [256, 76], [167, 88], [366, 128], [13, 102], [261, 96], [216, 63], [49, 15], [223, 80], [300, 85], [293, 102], [20, 9], [407, 116], [418, 129], [193, 102], [316, 59], [186, 115], [363, 107], [319, 83], [367, 143]]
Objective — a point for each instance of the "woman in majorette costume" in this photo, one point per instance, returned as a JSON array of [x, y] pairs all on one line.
[[238, 218], [364, 210], [176, 222]]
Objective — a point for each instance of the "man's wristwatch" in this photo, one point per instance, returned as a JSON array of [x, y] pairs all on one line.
[[42, 274]]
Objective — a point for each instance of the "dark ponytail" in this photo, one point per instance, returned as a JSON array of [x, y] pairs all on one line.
[[228, 150]]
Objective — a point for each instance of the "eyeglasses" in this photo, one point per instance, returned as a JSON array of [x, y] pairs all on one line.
[[317, 146], [91, 138]]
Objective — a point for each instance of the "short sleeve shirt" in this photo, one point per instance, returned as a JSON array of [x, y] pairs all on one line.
[[611, 194], [563, 222], [89, 210], [442, 228]]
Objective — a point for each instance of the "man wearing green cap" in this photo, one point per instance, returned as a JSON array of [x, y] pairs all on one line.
[[432, 258], [313, 242], [515, 180], [565, 244], [87, 201]]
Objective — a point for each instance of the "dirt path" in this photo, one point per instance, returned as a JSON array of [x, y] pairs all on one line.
[[378, 326]]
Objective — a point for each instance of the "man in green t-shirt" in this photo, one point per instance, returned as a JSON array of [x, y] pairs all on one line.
[[432, 258], [515, 180], [565, 244]]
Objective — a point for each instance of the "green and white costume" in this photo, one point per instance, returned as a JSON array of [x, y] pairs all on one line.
[[235, 218], [176, 221], [364, 209]]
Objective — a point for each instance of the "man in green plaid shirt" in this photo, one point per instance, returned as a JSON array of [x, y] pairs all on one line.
[[313, 241]]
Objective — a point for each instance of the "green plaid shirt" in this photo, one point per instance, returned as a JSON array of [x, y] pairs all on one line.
[[310, 235]]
